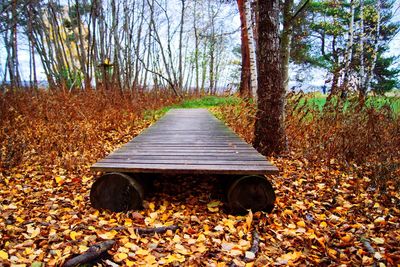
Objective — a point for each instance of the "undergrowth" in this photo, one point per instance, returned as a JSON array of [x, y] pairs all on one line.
[[362, 139], [70, 130]]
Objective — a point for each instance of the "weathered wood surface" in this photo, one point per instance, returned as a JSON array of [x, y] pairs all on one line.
[[187, 141]]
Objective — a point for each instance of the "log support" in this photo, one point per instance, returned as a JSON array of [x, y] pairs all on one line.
[[250, 192], [117, 192]]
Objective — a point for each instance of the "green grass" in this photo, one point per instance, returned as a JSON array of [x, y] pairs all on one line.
[[207, 101], [318, 101], [203, 102]]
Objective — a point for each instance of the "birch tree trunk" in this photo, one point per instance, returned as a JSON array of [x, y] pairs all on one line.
[[180, 67], [362, 59], [244, 89], [349, 49], [252, 48], [375, 46]]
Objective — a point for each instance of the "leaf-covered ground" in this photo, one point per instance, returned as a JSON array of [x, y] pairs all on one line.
[[323, 216]]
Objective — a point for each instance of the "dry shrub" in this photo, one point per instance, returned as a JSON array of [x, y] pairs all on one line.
[[347, 135], [70, 130], [240, 117]]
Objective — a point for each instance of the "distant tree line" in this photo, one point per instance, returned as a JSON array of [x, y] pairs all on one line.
[[348, 39], [119, 44]]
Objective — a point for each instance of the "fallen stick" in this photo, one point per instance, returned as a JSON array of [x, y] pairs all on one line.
[[254, 246], [367, 245], [253, 249], [156, 230], [93, 253]]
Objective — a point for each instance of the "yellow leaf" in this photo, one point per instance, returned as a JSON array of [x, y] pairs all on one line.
[[323, 224], [332, 252], [346, 238], [181, 249], [291, 256], [201, 238], [73, 235], [131, 246], [151, 206], [249, 220], [175, 257], [120, 257], [288, 212], [59, 180], [108, 235], [83, 248], [378, 240], [214, 204], [3, 255], [141, 252], [301, 224], [129, 263], [128, 222], [216, 209], [201, 248], [33, 231], [150, 259], [231, 226]]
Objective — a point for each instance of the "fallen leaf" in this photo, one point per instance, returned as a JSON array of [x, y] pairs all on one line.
[[108, 235], [290, 256], [378, 240], [3, 255], [120, 257]]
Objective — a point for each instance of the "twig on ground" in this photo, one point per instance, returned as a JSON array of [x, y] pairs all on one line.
[[156, 230], [254, 247], [367, 245], [251, 254], [94, 252]]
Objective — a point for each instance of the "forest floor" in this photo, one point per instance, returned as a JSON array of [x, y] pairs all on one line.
[[324, 216]]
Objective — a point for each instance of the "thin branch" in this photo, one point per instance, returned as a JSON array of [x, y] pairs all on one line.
[[301, 9]]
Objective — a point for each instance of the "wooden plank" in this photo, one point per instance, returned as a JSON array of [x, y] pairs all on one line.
[[188, 157], [184, 169], [186, 162], [187, 141]]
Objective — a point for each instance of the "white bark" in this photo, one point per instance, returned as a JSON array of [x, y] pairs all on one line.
[[375, 46], [362, 37], [349, 49], [252, 49]]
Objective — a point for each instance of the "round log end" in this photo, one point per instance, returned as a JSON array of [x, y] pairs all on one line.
[[251, 192], [116, 192]]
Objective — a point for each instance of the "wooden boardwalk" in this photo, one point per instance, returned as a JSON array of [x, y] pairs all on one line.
[[187, 141]]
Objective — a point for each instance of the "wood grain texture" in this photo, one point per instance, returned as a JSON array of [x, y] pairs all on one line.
[[187, 141]]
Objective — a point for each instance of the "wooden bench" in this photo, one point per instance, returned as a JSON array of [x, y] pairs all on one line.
[[184, 141]]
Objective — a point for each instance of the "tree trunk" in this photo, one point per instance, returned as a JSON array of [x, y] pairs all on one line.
[[349, 49], [375, 46], [269, 127], [180, 59], [363, 88], [252, 48], [82, 57], [245, 73], [196, 48], [286, 40]]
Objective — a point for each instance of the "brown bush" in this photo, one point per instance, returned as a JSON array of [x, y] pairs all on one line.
[[347, 134], [70, 129]]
